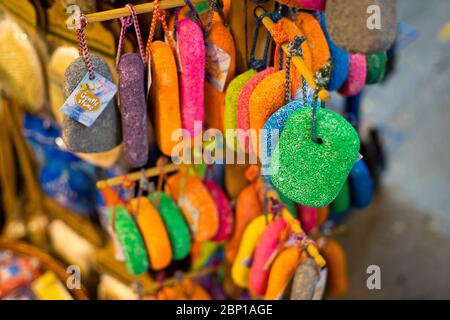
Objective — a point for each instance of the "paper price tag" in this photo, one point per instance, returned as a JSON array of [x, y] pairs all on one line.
[[89, 99], [217, 65]]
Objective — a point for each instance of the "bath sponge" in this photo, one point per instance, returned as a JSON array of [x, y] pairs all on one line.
[[305, 281], [353, 24], [192, 59], [311, 173], [308, 217], [357, 74], [176, 226], [361, 187], [341, 204], [136, 259], [376, 67], [318, 5], [164, 98], [105, 133], [231, 100], [153, 232], [133, 109], [243, 118], [337, 282]]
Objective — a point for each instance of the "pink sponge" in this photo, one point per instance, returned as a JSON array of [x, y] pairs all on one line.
[[243, 118], [265, 250], [226, 215], [318, 5], [192, 76], [357, 74]]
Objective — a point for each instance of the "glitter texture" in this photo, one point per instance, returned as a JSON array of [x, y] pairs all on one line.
[[315, 40], [197, 205], [164, 100], [192, 78], [177, 228], [281, 273], [130, 239], [105, 133], [376, 67], [317, 5], [357, 74], [133, 108], [153, 232], [309, 173], [225, 211], [267, 244], [339, 58], [347, 24], [243, 118], [231, 100], [305, 280], [360, 185], [215, 99]]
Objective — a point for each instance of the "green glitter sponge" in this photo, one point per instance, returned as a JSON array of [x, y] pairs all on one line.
[[310, 173], [136, 259], [376, 67]]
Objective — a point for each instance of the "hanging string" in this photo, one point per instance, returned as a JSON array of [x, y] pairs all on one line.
[[321, 78], [294, 50], [126, 22], [83, 48], [261, 64], [209, 21], [280, 37], [137, 30], [194, 12], [160, 15]]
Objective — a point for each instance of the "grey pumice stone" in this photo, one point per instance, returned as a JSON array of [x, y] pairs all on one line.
[[305, 280], [106, 132], [353, 24]]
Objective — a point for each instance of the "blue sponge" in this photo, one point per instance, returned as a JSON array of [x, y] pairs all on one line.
[[340, 59], [360, 185]]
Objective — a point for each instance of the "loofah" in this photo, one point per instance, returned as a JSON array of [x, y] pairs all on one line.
[[225, 211], [243, 117], [164, 99], [241, 264], [192, 59], [231, 100], [315, 39], [305, 281], [281, 273], [376, 67], [339, 58], [133, 109], [105, 133], [357, 74], [130, 239], [176, 226], [153, 232], [21, 73], [214, 98], [341, 204], [265, 249], [310, 173], [348, 23], [317, 5], [360, 185], [248, 207], [308, 217], [337, 283], [196, 203]]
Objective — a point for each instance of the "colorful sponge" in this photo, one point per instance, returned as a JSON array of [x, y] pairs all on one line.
[[243, 118], [318, 5], [176, 226], [192, 57], [308, 172], [136, 259], [231, 100], [341, 204], [376, 67], [164, 99], [106, 132], [360, 185], [356, 27], [357, 74], [305, 281], [337, 282], [340, 59]]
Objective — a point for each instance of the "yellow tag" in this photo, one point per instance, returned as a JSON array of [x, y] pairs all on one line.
[[48, 287]]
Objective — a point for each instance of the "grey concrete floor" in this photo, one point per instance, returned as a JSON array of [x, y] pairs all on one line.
[[406, 231]]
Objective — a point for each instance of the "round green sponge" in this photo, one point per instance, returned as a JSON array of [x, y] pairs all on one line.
[[136, 259], [376, 67], [311, 173]]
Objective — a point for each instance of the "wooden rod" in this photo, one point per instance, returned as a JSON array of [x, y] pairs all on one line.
[[299, 63], [135, 176], [140, 8]]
